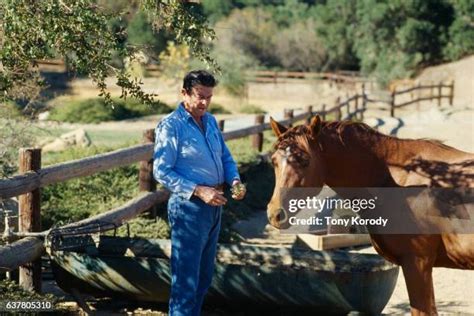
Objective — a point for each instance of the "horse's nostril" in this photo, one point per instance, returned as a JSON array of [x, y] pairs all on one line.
[[279, 217]]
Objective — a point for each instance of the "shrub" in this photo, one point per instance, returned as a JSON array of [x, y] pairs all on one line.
[[461, 31], [14, 134], [10, 109], [13, 292], [299, 49], [216, 108], [95, 110], [252, 109]]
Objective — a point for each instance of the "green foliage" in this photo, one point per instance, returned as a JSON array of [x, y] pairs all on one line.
[[140, 33], [216, 108], [234, 63], [216, 10], [251, 109], [14, 134], [298, 47], [382, 38], [251, 30], [82, 32], [10, 291], [335, 26], [290, 12], [147, 227], [10, 109], [461, 31], [95, 111], [395, 38], [174, 62]]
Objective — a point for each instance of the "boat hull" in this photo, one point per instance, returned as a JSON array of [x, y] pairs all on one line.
[[138, 269]]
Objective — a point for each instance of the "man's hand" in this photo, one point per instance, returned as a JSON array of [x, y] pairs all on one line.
[[210, 195], [238, 190]]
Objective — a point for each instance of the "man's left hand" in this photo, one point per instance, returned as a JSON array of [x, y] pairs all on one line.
[[238, 190]]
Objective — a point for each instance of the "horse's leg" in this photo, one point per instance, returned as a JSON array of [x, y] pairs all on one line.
[[419, 280]]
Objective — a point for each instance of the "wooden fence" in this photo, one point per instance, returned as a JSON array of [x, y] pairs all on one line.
[[25, 253], [266, 76], [435, 92]]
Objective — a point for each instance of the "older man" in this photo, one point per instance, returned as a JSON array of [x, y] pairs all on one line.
[[193, 162]]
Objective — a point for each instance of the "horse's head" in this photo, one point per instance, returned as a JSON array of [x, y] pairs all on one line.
[[297, 163]]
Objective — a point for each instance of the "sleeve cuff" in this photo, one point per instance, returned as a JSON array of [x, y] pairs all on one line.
[[233, 179], [187, 190]]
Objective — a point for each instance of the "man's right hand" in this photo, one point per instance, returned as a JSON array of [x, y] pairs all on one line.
[[210, 195]]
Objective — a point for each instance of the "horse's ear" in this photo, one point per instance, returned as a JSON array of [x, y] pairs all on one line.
[[277, 128], [315, 126]]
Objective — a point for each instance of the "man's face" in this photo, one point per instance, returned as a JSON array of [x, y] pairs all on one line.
[[198, 100]]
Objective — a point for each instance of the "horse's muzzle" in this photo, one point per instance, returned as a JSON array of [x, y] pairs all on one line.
[[280, 220]]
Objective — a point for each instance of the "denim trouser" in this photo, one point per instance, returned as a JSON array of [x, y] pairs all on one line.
[[194, 232]]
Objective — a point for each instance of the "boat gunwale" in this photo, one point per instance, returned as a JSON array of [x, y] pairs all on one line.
[[263, 256]]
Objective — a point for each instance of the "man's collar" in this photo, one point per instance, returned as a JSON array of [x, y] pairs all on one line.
[[186, 115], [183, 113]]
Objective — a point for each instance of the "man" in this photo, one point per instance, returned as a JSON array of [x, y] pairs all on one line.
[[193, 162]]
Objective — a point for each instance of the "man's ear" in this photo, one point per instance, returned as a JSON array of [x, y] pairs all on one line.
[[315, 126], [277, 128]]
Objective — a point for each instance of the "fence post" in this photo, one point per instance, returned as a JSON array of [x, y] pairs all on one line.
[[364, 101], [323, 112], [309, 110], [392, 102], [257, 139], [348, 107], [440, 88], [431, 89], [356, 101], [221, 125], [288, 114], [451, 95], [145, 176], [339, 112], [419, 95], [29, 218]]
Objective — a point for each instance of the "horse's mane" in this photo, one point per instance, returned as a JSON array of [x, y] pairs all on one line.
[[298, 138]]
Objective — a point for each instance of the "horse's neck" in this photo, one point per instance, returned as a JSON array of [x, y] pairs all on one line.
[[356, 162], [371, 159]]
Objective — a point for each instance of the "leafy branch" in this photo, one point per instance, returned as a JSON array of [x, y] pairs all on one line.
[[79, 31]]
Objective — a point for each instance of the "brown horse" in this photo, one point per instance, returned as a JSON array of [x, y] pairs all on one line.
[[347, 154]]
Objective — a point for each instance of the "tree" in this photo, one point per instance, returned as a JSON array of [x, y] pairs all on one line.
[[392, 39], [299, 49], [80, 31], [335, 27], [251, 30], [461, 31]]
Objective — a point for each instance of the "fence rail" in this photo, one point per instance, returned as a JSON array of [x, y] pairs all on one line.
[[282, 76], [35, 177], [438, 95]]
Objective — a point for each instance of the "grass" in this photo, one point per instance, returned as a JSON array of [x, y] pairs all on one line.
[[115, 139]]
